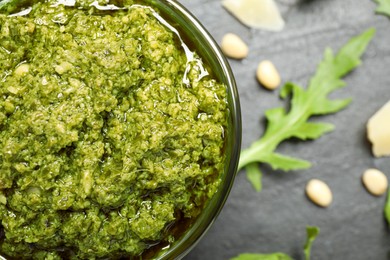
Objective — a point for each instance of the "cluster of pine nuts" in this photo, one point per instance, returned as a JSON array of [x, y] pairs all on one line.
[[234, 47]]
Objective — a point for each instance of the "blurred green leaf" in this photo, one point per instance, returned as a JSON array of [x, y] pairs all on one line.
[[387, 208], [312, 233], [274, 256], [383, 7]]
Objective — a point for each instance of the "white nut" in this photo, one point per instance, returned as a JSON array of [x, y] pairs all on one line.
[[375, 182], [234, 47], [319, 192], [22, 69], [267, 75]]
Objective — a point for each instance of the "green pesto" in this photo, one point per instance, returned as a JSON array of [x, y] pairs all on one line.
[[103, 148]]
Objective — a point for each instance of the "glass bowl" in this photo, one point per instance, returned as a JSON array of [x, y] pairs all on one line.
[[197, 37], [199, 40]]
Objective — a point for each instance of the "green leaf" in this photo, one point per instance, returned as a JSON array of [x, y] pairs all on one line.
[[387, 208], [274, 256], [282, 162], [349, 55], [275, 114], [383, 7], [313, 130], [312, 233], [326, 106], [254, 176], [283, 124]]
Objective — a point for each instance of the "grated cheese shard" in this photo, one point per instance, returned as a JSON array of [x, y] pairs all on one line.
[[378, 131], [259, 14]]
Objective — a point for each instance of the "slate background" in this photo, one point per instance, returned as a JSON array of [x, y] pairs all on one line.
[[274, 220]]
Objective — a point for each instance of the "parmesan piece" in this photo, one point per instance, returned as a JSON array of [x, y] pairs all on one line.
[[378, 131], [259, 14]]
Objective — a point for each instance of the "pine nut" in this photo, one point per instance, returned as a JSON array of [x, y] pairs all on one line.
[[234, 47], [375, 182], [267, 75], [319, 192]]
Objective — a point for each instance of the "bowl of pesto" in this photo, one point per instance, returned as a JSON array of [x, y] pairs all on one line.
[[120, 129]]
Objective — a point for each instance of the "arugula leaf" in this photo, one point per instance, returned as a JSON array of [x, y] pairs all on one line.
[[312, 233], [283, 124], [274, 256], [254, 175], [387, 208], [383, 7]]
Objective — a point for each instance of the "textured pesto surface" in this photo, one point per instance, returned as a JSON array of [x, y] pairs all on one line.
[[102, 146]]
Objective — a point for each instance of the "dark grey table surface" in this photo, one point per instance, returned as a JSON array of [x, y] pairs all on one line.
[[275, 219]]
